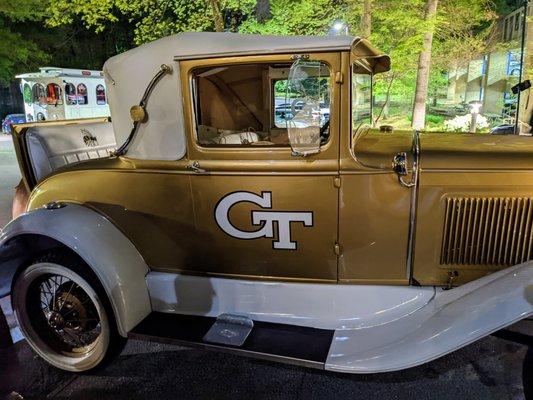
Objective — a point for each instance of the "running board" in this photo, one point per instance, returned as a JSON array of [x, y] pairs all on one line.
[[268, 341]]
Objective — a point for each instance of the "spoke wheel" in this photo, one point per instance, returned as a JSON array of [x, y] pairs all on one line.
[[65, 314], [61, 316]]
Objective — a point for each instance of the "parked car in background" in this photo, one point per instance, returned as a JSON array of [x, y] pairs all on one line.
[[504, 129], [10, 120]]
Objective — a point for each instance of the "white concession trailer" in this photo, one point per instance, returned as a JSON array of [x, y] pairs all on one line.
[[63, 93]]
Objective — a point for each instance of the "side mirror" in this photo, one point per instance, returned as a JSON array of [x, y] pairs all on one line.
[[307, 89]]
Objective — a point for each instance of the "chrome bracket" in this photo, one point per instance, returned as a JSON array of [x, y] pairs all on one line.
[[400, 164], [195, 167]]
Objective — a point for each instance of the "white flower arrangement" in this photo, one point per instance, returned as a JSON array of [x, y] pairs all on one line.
[[461, 123]]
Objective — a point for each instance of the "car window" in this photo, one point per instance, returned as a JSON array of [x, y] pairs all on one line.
[[251, 104]]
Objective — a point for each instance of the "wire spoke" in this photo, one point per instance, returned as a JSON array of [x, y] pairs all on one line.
[[67, 296], [52, 293]]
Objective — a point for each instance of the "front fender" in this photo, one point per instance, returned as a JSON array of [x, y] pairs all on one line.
[[106, 250]]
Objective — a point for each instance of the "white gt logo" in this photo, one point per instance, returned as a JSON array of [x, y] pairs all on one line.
[[265, 219]]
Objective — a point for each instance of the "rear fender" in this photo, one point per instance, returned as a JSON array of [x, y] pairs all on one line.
[[104, 248]]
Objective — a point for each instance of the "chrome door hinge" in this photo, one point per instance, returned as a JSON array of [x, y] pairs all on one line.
[[337, 249], [339, 78], [337, 182]]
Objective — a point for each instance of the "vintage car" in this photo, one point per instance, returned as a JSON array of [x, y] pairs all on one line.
[[315, 239]]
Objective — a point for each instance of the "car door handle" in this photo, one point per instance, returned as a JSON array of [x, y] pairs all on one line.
[[195, 167]]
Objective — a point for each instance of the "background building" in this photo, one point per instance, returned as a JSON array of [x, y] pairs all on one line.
[[489, 78]]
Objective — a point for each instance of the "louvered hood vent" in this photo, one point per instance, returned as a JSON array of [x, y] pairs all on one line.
[[487, 231]]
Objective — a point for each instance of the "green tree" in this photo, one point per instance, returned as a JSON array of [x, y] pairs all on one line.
[[18, 53], [460, 29], [151, 19], [424, 63]]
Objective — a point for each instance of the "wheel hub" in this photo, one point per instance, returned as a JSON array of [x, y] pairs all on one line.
[[56, 320]]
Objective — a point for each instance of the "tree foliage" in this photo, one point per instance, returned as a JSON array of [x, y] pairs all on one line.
[[16, 51], [152, 19], [83, 33]]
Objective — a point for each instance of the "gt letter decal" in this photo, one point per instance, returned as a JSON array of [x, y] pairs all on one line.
[[264, 219]]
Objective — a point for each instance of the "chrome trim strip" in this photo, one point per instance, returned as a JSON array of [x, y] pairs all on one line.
[[476, 170], [413, 207]]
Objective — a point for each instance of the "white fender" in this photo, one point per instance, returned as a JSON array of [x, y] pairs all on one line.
[[453, 319], [111, 255]]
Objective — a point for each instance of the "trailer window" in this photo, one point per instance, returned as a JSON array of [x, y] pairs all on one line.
[[70, 94], [39, 94], [82, 94], [53, 94], [26, 93], [100, 95]]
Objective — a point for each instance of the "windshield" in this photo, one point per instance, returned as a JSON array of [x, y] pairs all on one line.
[[361, 96]]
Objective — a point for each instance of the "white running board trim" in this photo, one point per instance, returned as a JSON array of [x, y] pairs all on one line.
[[325, 306]]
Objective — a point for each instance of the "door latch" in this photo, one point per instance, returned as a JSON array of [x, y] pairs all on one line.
[[195, 167], [399, 166]]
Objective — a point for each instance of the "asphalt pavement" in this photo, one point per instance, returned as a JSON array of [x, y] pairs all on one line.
[[488, 369], [9, 177]]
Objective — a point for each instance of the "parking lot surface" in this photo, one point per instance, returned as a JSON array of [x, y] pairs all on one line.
[[488, 369]]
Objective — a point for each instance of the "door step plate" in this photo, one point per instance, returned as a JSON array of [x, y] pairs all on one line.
[[229, 330]]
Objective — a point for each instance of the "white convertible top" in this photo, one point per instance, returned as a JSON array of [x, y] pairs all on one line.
[[162, 136]]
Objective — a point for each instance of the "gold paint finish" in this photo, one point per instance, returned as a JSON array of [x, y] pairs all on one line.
[[175, 230], [373, 228], [373, 206], [360, 211], [457, 172], [433, 224], [168, 211], [454, 151]]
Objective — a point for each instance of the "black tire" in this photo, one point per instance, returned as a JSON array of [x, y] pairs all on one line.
[[57, 345]]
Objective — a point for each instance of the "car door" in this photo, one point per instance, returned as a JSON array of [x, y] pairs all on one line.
[[374, 207], [260, 210]]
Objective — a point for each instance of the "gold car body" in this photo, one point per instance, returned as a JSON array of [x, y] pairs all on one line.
[[469, 213]]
